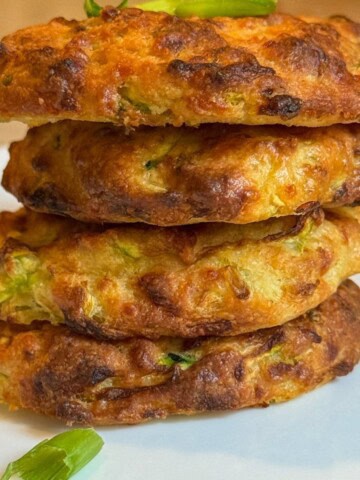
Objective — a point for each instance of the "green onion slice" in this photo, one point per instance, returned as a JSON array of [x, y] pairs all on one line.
[[167, 6], [199, 8], [225, 8], [93, 9], [58, 458]]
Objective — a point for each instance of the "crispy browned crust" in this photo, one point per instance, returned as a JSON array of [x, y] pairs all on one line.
[[133, 67], [172, 176], [79, 380], [209, 279]]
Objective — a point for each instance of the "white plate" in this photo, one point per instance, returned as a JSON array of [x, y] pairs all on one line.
[[315, 437]]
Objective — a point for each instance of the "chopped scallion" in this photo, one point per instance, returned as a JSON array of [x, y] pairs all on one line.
[[200, 8], [58, 458], [225, 8], [93, 9]]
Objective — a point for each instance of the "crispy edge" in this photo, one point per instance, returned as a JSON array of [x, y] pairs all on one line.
[[78, 380], [181, 282], [98, 173], [194, 71]]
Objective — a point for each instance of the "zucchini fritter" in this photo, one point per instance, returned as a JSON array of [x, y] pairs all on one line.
[[80, 380], [133, 67], [172, 176], [208, 279]]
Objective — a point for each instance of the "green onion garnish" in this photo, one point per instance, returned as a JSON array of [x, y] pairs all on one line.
[[167, 6], [93, 9], [225, 8], [185, 360], [57, 459], [199, 8]]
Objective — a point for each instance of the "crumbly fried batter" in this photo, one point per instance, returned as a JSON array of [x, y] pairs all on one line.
[[209, 279], [171, 176], [36, 230], [133, 67], [79, 380]]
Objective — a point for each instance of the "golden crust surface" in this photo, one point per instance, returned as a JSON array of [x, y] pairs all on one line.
[[133, 67], [172, 176], [56, 372], [209, 279]]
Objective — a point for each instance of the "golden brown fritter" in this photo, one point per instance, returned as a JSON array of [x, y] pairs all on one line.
[[79, 380], [171, 176], [209, 279], [36, 230], [133, 67]]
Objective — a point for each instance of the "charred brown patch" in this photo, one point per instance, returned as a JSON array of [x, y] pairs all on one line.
[[280, 369], [145, 356], [65, 378], [299, 53], [239, 371], [4, 54], [341, 193], [89, 327], [178, 34], [326, 259], [173, 41], [259, 392], [308, 207], [73, 412], [40, 163], [108, 14], [157, 289], [284, 106], [45, 52], [213, 402], [314, 336], [332, 351], [274, 340], [47, 197], [306, 289], [299, 225], [342, 368], [219, 327], [238, 73], [99, 374], [185, 70], [192, 343], [207, 375], [66, 79], [153, 414], [113, 394], [224, 195], [29, 355], [3, 51]]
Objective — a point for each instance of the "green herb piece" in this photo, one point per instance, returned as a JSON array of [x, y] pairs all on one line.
[[183, 359], [225, 8], [7, 80], [167, 6], [127, 249], [93, 9], [57, 142], [128, 97], [59, 458], [299, 241], [200, 8], [149, 165]]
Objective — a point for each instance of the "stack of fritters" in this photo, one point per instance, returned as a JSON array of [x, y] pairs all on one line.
[[228, 291]]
